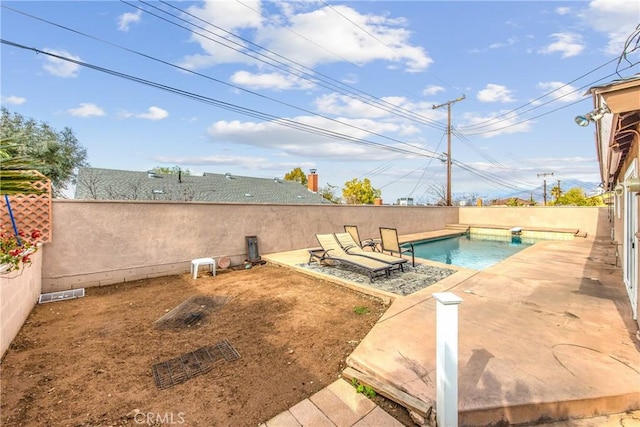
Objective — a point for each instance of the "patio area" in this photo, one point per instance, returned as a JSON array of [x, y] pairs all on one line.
[[545, 335]]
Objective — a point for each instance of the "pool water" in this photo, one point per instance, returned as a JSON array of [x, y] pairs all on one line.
[[470, 251]]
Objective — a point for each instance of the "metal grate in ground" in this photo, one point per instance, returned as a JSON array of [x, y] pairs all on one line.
[[180, 369], [61, 295], [226, 349]]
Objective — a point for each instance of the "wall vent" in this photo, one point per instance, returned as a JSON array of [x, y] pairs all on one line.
[[61, 295]]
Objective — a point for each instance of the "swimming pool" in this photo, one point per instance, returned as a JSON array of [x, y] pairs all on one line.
[[468, 251]]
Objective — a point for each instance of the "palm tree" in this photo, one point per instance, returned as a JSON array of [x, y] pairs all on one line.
[[16, 172], [556, 192]]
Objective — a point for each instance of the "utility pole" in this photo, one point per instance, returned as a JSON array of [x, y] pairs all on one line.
[[448, 104], [545, 185]]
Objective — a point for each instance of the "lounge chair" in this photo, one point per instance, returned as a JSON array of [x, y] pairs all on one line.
[[351, 247], [391, 243], [332, 251], [366, 243]]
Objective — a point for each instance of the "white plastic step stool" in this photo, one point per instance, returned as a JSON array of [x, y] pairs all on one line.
[[196, 263]]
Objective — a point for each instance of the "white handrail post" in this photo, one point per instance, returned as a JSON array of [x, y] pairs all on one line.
[[447, 358]]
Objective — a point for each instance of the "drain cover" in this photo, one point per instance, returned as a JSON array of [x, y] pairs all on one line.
[[180, 369]]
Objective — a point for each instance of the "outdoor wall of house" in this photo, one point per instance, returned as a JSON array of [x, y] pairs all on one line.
[[103, 242], [19, 292], [592, 220], [619, 209]]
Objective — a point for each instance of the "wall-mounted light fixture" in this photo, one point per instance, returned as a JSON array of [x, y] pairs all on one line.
[[619, 190], [592, 116]]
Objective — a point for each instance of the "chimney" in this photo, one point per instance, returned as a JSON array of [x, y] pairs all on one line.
[[312, 181]]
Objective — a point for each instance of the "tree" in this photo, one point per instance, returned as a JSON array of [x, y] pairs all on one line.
[[360, 192], [439, 193], [514, 202], [296, 175], [57, 153], [576, 197], [166, 170], [16, 174], [329, 193], [556, 192]]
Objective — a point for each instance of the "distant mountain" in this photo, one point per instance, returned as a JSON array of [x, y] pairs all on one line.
[[590, 189]]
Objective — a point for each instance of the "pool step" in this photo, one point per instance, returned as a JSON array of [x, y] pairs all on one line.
[[467, 227], [460, 227]]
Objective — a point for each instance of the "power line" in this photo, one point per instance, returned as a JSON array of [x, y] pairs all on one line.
[[301, 71], [258, 94], [493, 120], [448, 104], [233, 107], [220, 81]]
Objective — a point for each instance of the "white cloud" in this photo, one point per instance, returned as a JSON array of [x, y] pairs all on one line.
[[509, 42], [432, 90], [495, 93], [13, 100], [60, 67], [340, 39], [86, 110], [233, 17], [310, 38], [497, 123], [563, 10], [230, 15], [568, 44], [615, 18], [350, 79], [292, 142], [337, 104], [275, 81], [126, 19], [561, 91], [154, 113]]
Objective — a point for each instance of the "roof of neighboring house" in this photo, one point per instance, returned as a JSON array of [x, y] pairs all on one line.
[[110, 184]]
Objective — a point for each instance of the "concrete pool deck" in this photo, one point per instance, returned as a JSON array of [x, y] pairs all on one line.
[[545, 335]]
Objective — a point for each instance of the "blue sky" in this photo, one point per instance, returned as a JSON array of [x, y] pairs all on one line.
[[360, 78]]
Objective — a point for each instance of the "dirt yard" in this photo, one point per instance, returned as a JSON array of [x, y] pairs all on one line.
[[89, 361]]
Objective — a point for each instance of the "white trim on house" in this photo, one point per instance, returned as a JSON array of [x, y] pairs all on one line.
[[630, 249]]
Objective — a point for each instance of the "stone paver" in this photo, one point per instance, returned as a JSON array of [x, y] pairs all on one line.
[[378, 418], [337, 405], [308, 414], [356, 402], [283, 419], [334, 408]]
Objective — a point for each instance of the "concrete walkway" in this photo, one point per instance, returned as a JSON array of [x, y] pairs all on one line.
[[545, 335]]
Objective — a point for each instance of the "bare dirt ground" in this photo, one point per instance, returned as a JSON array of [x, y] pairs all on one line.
[[88, 362]]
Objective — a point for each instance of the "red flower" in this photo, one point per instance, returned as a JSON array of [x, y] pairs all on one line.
[[35, 234], [25, 259]]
